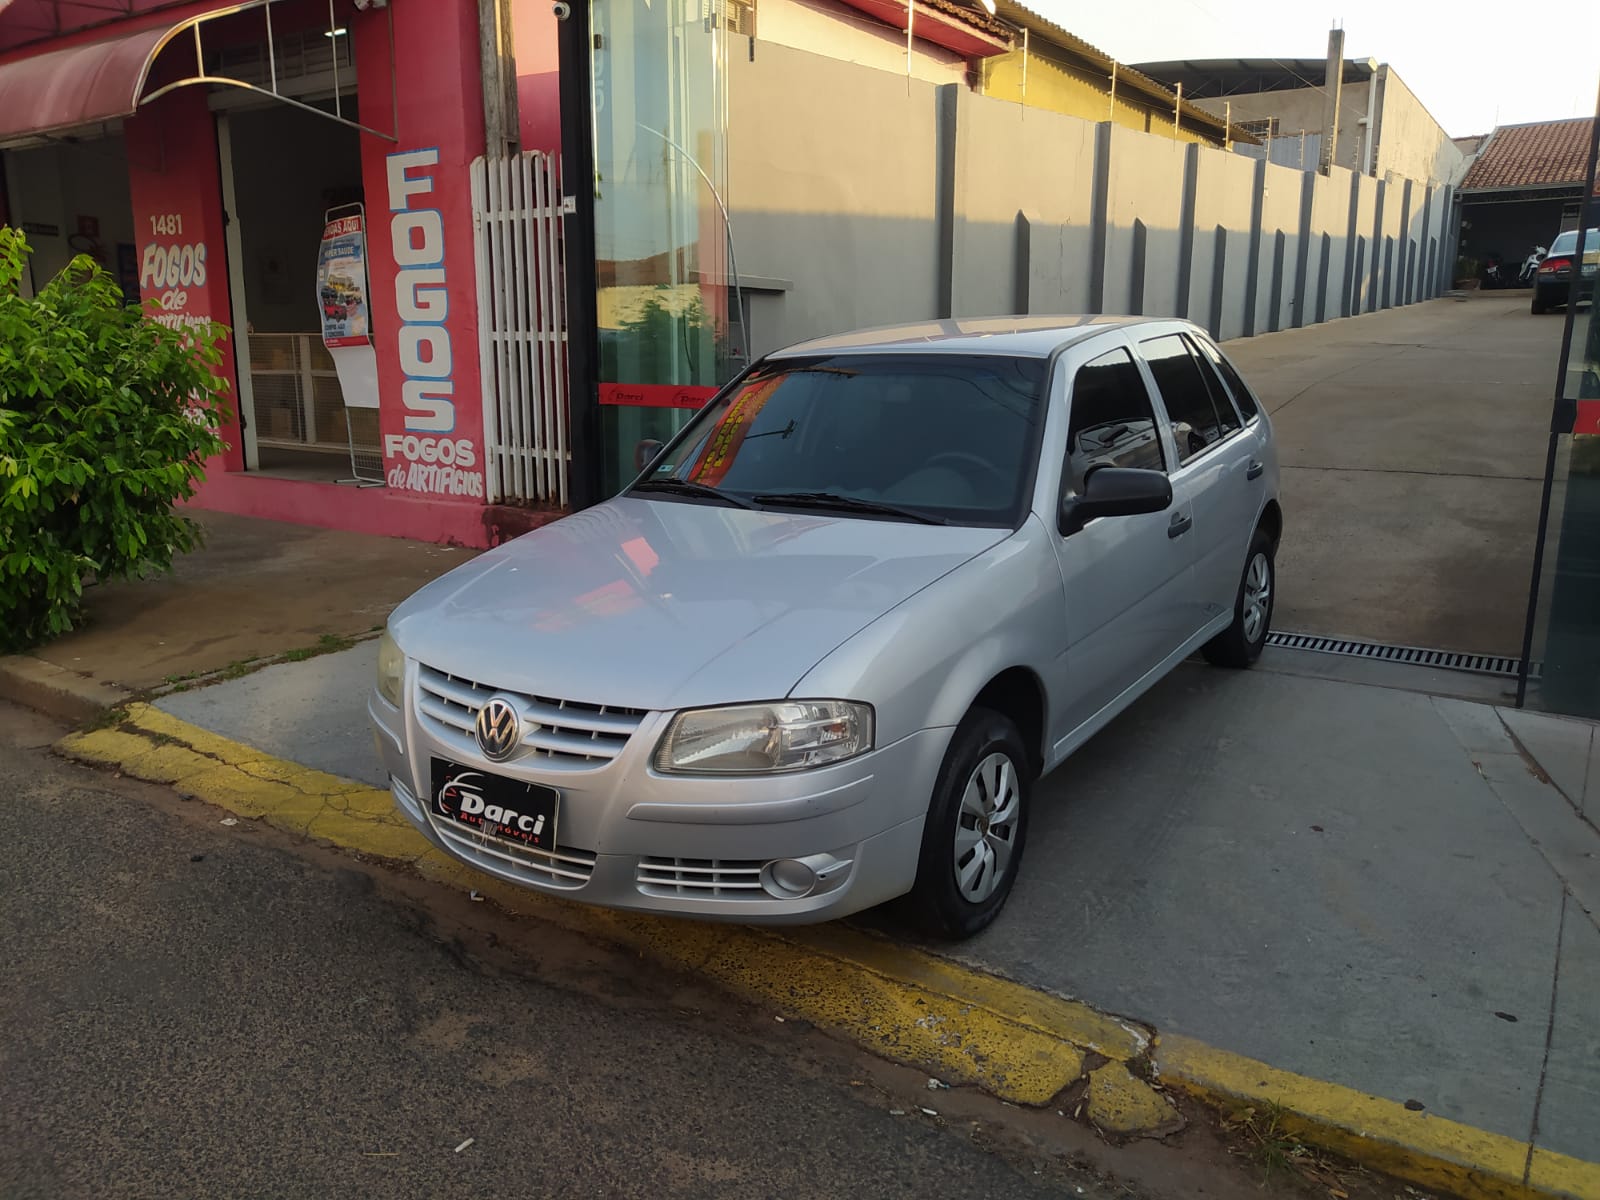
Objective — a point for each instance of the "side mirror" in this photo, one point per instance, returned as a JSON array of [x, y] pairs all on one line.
[[644, 453], [1115, 492]]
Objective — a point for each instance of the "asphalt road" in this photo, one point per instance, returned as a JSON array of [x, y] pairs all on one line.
[[194, 1009]]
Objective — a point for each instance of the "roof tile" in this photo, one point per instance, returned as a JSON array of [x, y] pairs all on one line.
[[1536, 155]]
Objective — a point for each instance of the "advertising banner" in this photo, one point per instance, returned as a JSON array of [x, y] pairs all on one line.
[[342, 301], [342, 283]]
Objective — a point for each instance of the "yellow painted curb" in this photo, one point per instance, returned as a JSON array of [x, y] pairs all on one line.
[[961, 1024], [958, 1024], [1416, 1146]]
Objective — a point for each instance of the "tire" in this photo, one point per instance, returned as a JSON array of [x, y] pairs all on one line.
[[1539, 306], [986, 773], [1239, 645]]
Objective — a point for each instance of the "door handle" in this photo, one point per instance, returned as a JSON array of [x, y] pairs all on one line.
[[1255, 469], [1181, 524]]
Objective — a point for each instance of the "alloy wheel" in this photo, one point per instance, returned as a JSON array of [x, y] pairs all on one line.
[[1257, 597], [986, 827]]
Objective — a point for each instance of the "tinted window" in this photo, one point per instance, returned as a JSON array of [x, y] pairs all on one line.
[[1227, 416], [1242, 395], [949, 435], [1113, 423], [1195, 424]]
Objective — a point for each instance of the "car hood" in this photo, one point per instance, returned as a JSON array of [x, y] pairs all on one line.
[[662, 605]]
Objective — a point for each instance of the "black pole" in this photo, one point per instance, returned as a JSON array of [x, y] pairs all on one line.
[[1564, 411], [574, 43]]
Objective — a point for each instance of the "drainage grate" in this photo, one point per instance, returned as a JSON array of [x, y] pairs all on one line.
[[1416, 656]]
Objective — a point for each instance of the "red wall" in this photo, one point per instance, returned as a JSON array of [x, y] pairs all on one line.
[[420, 243], [177, 221], [533, 38]]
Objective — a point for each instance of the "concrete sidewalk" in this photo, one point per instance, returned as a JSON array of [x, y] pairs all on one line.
[[256, 589], [1359, 884], [1412, 443]]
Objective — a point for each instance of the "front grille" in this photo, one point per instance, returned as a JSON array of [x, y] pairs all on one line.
[[563, 867], [558, 735], [702, 878]]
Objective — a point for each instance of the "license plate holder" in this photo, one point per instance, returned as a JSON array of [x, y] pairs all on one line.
[[505, 810]]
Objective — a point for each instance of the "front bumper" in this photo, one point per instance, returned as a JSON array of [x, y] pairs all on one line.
[[630, 837]]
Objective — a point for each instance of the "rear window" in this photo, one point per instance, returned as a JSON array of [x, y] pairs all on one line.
[[1567, 243]]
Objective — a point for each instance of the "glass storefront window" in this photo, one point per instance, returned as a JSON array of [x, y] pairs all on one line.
[[1566, 619], [662, 270]]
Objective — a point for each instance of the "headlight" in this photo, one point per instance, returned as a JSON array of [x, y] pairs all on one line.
[[391, 669], [786, 735]]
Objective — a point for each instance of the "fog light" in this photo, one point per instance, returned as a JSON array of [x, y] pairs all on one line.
[[788, 878]]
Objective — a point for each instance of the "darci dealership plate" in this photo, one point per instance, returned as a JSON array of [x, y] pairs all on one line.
[[509, 810]]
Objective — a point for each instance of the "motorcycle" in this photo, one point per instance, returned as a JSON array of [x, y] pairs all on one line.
[[1493, 276], [1530, 267]]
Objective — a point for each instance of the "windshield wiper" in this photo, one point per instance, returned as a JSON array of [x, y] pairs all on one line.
[[685, 487], [848, 504]]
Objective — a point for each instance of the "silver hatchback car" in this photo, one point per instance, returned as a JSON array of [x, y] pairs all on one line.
[[817, 655]]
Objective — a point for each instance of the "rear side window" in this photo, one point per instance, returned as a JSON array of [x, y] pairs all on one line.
[[1242, 395], [1113, 422], [1196, 423]]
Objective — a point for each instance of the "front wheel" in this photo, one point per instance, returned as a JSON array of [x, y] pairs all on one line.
[[1240, 644], [977, 824]]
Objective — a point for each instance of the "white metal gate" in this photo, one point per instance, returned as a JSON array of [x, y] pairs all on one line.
[[522, 326]]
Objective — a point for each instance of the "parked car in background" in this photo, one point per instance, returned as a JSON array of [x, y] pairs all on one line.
[[1553, 283], [816, 656]]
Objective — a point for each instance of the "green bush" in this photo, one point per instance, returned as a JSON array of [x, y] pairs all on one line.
[[105, 419]]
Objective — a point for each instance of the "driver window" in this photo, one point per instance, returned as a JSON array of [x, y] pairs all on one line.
[[1113, 423]]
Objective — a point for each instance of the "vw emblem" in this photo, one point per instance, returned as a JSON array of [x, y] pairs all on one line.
[[499, 729]]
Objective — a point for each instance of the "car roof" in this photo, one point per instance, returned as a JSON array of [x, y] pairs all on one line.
[[1019, 337]]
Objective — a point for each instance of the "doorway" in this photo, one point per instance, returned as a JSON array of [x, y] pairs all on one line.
[[283, 169]]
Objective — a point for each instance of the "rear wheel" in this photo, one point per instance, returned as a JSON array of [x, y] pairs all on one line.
[[977, 824], [1240, 644], [1539, 306]]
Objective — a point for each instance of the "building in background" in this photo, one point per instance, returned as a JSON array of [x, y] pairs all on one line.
[[1051, 68], [1524, 186], [198, 150], [1382, 128]]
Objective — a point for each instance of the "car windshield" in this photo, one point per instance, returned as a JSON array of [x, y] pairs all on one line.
[[1567, 242], [946, 438]]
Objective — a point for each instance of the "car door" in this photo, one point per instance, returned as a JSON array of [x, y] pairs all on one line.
[[1126, 578], [1247, 453], [1213, 462]]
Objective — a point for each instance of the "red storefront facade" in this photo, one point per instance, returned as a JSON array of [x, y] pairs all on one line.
[[153, 81]]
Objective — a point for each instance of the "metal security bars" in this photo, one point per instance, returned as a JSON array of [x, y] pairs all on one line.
[[522, 327]]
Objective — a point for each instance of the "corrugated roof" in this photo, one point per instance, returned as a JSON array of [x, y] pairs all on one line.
[[1541, 154], [1219, 77]]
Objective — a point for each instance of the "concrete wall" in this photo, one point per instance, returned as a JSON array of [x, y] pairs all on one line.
[[859, 198], [1410, 142], [831, 189], [1300, 110]]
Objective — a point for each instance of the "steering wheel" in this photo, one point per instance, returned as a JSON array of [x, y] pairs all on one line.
[[963, 458]]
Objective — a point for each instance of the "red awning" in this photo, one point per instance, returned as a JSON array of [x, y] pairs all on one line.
[[80, 85], [932, 25]]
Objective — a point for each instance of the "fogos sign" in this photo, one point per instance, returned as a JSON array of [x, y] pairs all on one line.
[[416, 234]]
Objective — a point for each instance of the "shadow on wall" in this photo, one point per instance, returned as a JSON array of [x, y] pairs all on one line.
[[884, 200]]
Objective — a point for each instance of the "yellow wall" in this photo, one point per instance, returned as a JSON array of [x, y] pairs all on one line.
[[1074, 92]]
